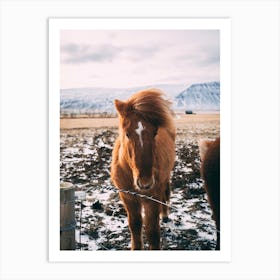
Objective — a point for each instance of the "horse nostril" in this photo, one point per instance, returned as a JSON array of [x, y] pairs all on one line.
[[145, 187], [146, 184], [138, 183]]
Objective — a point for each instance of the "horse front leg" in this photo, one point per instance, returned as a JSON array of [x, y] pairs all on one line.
[[152, 228], [133, 210], [165, 197]]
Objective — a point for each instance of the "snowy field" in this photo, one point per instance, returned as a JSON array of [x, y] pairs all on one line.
[[101, 222]]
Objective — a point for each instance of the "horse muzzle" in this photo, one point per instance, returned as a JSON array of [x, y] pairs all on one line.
[[145, 183]]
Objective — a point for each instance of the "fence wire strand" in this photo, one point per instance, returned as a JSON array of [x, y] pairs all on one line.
[[143, 196]]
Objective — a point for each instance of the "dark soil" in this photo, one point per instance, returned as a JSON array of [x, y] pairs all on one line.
[[85, 162]]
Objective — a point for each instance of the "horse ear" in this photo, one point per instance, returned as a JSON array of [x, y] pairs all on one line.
[[120, 106], [123, 107]]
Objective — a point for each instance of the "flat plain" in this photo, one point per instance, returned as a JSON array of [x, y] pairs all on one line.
[[181, 120]]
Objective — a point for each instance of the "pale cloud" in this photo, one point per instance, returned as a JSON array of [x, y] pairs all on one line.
[[136, 58], [74, 53]]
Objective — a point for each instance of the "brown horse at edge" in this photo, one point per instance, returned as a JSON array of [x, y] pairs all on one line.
[[142, 161], [210, 171]]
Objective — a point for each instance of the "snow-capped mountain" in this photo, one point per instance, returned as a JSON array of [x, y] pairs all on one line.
[[99, 100], [200, 97]]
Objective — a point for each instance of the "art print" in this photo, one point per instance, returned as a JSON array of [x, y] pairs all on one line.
[[138, 109]]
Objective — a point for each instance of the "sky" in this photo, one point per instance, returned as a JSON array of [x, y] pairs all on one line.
[[123, 59]]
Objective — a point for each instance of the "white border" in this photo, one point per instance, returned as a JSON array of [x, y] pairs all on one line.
[[55, 25]]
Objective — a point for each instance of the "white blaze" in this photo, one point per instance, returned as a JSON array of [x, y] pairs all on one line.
[[139, 130]]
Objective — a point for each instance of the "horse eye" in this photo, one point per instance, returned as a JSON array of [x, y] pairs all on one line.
[[127, 135]]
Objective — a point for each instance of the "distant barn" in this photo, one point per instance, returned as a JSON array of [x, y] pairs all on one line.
[[188, 112]]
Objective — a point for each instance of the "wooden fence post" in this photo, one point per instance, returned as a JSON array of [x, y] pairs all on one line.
[[67, 216]]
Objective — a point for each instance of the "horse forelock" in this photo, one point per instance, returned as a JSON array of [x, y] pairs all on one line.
[[152, 107]]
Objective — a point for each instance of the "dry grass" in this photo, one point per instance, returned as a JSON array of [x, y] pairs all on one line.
[[182, 121], [192, 121], [69, 123]]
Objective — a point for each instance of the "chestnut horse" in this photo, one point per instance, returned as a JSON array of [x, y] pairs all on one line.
[[143, 158], [210, 172]]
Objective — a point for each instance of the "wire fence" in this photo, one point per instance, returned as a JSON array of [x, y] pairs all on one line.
[[179, 212]]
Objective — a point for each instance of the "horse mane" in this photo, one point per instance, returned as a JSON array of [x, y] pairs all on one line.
[[151, 106]]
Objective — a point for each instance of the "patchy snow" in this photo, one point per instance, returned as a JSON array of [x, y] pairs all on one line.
[[85, 162], [186, 169], [80, 195]]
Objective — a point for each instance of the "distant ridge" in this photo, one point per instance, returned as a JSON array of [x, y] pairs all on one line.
[[199, 97]]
